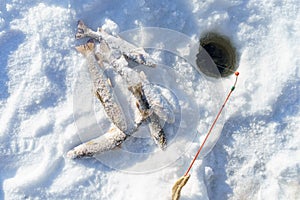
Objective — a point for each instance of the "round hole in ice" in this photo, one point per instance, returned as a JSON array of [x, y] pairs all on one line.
[[222, 52]]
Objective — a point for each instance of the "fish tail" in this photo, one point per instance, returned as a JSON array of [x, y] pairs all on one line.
[[81, 30], [113, 138], [157, 131], [86, 48]]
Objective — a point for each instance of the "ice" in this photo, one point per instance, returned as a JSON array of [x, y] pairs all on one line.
[[257, 154]]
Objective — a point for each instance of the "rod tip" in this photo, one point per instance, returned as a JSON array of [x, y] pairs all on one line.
[[237, 73]]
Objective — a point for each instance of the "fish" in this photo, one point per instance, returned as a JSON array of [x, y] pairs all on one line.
[[107, 52], [121, 129], [113, 138], [116, 43]]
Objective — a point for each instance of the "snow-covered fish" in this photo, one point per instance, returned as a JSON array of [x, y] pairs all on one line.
[[114, 52], [125, 48], [103, 90]]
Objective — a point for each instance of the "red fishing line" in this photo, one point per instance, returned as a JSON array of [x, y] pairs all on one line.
[[213, 124]]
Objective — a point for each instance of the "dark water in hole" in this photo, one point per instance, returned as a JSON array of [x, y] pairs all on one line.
[[222, 52]]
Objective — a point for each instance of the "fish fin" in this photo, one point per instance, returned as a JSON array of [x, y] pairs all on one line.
[[139, 56], [99, 97], [86, 48], [81, 30], [137, 104]]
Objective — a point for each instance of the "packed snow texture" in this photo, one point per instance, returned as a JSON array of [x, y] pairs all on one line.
[[257, 155]]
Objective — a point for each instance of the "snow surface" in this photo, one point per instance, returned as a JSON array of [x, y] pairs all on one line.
[[257, 155]]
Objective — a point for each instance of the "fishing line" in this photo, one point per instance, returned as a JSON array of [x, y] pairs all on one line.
[[213, 124], [183, 180]]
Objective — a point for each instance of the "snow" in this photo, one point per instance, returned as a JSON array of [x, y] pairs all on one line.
[[257, 155]]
